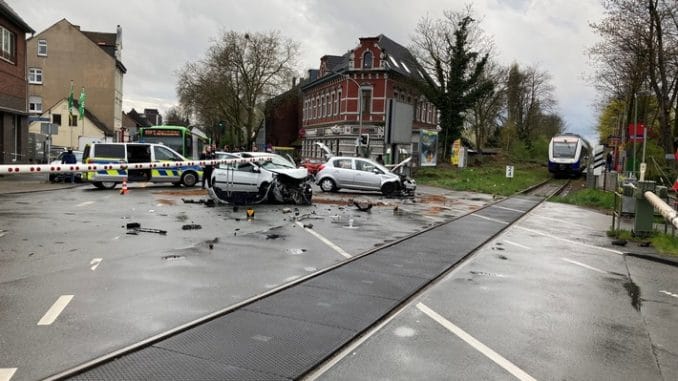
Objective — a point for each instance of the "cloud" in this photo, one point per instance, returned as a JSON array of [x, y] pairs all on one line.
[[161, 36]]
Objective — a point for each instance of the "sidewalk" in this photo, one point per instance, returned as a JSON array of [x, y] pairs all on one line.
[[14, 184]]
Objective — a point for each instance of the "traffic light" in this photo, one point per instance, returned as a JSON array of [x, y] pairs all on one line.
[[364, 139]]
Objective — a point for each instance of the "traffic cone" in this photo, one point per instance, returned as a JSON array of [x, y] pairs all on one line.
[[250, 214], [123, 191]]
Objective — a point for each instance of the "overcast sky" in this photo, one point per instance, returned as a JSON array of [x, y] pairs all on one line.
[[160, 36]]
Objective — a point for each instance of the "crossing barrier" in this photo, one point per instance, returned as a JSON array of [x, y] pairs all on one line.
[[20, 169]]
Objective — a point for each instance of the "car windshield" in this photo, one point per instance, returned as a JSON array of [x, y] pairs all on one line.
[[276, 162]]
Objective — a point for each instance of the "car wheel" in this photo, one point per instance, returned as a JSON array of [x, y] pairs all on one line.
[[108, 184], [52, 178], [189, 179], [388, 188], [327, 185]]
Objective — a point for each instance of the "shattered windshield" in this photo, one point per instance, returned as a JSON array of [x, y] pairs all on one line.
[[277, 162]]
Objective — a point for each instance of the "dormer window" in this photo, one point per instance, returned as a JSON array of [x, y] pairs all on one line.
[[367, 60]]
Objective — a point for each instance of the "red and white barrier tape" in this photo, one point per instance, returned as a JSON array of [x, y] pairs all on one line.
[[20, 169]]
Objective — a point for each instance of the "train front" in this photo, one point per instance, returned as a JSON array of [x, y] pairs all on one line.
[[565, 156]]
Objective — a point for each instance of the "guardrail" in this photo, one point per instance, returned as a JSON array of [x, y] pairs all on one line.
[[64, 168]]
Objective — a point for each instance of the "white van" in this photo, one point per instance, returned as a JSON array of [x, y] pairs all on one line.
[[123, 153]]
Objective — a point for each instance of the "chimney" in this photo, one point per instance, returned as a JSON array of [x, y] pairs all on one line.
[[118, 43]]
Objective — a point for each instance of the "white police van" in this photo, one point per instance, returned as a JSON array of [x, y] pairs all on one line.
[[129, 153]]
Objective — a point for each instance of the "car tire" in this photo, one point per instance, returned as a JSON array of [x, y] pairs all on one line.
[[189, 179], [327, 185], [388, 188], [52, 178]]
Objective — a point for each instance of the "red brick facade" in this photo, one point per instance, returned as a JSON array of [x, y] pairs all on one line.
[[330, 103]]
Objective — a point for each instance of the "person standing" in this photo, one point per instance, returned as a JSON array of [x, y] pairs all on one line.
[[69, 158], [207, 170]]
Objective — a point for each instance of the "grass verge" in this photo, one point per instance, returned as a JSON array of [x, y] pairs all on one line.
[[665, 244], [590, 198]]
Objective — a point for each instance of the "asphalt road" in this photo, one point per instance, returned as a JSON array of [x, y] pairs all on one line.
[[548, 296]]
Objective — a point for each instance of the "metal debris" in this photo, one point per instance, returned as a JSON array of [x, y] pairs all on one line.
[[191, 227], [134, 227]]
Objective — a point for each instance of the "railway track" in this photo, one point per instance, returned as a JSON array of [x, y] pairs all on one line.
[[548, 188]]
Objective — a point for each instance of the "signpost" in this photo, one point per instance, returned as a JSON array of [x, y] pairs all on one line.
[[509, 171]]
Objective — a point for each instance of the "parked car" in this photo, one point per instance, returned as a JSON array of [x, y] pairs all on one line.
[[58, 177], [313, 165], [267, 177]]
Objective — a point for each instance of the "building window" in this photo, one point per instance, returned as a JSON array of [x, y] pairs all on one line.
[[367, 101], [323, 102], [72, 120], [429, 110], [367, 60], [42, 47], [56, 119], [333, 104], [35, 104], [318, 107], [7, 45], [35, 76], [338, 101]]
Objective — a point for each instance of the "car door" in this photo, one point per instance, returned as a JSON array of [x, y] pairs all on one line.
[[245, 178], [163, 154], [343, 172], [367, 175]]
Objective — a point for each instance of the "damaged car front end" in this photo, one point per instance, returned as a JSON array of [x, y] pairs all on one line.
[[269, 178]]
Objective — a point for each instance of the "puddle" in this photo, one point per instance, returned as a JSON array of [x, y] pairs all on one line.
[[634, 293], [162, 202], [482, 273]]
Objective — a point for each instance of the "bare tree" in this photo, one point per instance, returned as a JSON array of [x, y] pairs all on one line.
[[239, 73], [529, 98], [176, 116], [488, 114]]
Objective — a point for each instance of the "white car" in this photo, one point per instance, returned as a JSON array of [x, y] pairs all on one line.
[[346, 172], [57, 177], [264, 177]]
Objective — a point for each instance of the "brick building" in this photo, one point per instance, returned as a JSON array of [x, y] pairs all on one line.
[[350, 95], [13, 87]]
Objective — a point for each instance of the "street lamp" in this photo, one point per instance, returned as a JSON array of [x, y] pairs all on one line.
[[360, 111]]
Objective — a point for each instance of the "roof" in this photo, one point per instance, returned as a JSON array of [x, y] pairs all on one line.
[[8, 12], [108, 43], [397, 58]]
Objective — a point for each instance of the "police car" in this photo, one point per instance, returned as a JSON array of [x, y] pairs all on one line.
[[129, 153]]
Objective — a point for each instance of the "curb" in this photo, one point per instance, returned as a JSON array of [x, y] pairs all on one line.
[[655, 258]]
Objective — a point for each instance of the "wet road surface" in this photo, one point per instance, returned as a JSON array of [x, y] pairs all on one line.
[[524, 301]]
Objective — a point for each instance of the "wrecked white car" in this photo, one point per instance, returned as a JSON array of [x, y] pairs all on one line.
[[270, 178]]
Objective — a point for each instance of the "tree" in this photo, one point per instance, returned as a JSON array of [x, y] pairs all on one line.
[[488, 114], [230, 85], [175, 116], [529, 100], [448, 49]]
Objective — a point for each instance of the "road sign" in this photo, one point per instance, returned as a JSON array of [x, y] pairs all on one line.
[[509, 171], [49, 128]]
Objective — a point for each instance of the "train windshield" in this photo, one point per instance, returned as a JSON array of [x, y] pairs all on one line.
[[564, 149]]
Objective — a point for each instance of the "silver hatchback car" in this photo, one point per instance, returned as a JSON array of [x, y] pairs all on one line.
[[361, 174]]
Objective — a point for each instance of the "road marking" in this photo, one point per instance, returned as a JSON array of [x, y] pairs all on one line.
[[517, 244], [85, 203], [510, 209], [480, 347], [490, 219], [669, 293], [585, 266], [95, 262], [326, 241], [55, 310], [6, 373], [570, 241]]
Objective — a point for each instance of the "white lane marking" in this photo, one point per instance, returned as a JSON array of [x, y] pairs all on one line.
[[584, 265], [570, 241], [326, 241], [480, 347], [490, 219], [6, 373], [669, 293], [85, 203], [95, 263], [510, 209], [116, 238], [517, 244], [55, 310]]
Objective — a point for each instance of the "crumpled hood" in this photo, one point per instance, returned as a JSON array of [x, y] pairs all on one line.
[[295, 173]]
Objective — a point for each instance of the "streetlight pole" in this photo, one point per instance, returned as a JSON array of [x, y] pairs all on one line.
[[635, 129], [360, 112]]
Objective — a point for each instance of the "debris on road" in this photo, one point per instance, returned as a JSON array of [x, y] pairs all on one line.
[[134, 227], [363, 206], [207, 202], [286, 210], [191, 227]]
